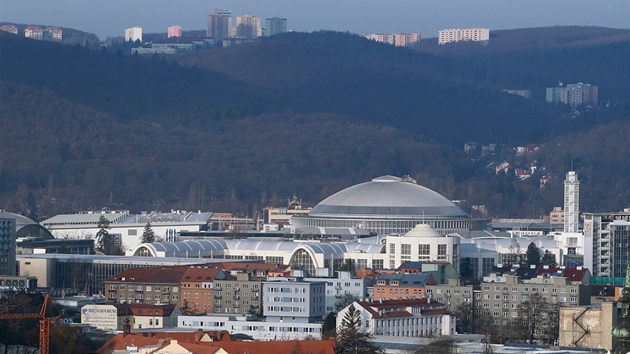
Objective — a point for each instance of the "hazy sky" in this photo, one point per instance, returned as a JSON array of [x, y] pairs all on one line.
[[111, 17]]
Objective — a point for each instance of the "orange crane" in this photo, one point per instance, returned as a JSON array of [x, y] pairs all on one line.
[[44, 323]]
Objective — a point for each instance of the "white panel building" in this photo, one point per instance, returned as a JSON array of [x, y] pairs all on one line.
[[571, 203], [463, 34], [133, 34]]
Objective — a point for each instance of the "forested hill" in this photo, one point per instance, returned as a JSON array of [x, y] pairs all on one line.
[[306, 114]]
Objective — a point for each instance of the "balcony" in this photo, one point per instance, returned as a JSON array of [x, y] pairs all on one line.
[[466, 295], [506, 300], [217, 288], [254, 297], [237, 297], [505, 291], [217, 305], [237, 305], [338, 288], [217, 296]]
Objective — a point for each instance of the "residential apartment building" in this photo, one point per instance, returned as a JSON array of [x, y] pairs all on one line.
[[157, 285], [133, 34], [502, 295], [606, 238], [34, 32], [573, 94], [7, 246], [248, 26], [294, 300], [174, 31], [238, 294], [556, 216], [9, 28], [406, 39], [452, 294], [401, 286], [275, 25], [342, 287], [197, 288], [402, 318], [220, 24], [54, 33], [463, 34]]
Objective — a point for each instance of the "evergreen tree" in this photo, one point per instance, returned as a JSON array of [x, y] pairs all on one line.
[[329, 327], [549, 259], [102, 236], [533, 255], [148, 236], [351, 338]]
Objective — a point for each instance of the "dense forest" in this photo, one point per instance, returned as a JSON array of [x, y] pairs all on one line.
[[307, 114]]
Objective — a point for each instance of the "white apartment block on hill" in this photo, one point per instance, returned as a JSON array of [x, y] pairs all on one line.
[[463, 34]]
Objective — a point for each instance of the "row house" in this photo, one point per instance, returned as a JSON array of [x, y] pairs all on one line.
[[401, 286], [402, 318]]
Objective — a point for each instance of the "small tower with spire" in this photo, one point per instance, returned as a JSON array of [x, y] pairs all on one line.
[[621, 332]]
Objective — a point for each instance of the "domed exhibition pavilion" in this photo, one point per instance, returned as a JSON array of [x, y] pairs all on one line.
[[388, 205]]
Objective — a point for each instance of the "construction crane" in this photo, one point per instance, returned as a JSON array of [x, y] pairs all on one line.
[[44, 322]]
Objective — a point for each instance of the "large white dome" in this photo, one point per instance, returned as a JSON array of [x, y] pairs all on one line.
[[387, 196]]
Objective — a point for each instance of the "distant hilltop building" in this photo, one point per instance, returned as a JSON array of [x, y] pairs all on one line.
[[248, 26], [275, 25], [573, 94], [133, 34], [220, 24], [34, 32], [518, 92], [463, 34], [397, 39], [9, 28], [174, 31], [54, 33]]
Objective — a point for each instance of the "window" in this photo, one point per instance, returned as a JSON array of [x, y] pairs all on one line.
[[441, 250], [424, 250], [392, 248], [148, 287], [405, 248], [139, 288]]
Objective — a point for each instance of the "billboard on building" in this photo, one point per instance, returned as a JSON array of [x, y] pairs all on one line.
[[100, 316]]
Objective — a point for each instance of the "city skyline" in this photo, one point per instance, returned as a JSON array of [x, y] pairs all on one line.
[[111, 18]]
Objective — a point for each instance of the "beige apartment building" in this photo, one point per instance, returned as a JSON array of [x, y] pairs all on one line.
[[452, 294], [502, 295], [238, 294]]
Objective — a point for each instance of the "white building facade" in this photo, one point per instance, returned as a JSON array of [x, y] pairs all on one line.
[[402, 318], [571, 203], [463, 34], [133, 34]]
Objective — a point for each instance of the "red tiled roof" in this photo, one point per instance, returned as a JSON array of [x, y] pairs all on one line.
[[572, 274], [151, 275], [187, 340], [200, 273]]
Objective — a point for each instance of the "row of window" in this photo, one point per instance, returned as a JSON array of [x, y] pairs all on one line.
[[144, 297], [143, 288], [525, 289]]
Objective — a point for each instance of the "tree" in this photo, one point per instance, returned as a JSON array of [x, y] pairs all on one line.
[[329, 328], [540, 319], [515, 252], [106, 242], [533, 255], [549, 259], [351, 338], [464, 313], [102, 236], [344, 301], [148, 236]]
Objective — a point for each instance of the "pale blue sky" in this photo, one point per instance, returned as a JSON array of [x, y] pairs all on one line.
[[111, 17]]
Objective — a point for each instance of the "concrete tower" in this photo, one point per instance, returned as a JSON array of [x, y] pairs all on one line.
[[571, 202]]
